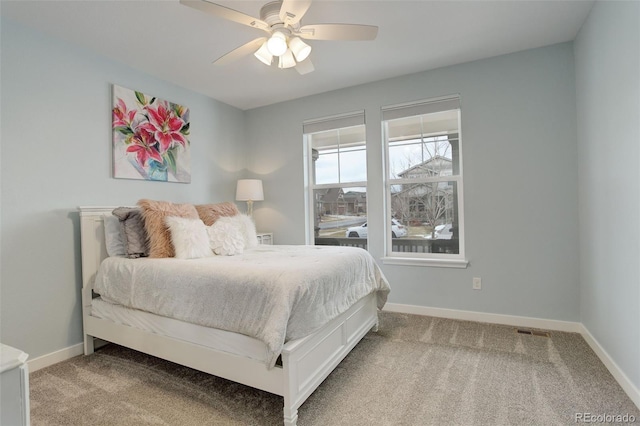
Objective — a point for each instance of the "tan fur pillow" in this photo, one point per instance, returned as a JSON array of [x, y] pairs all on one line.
[[209, 213], [158, 233]]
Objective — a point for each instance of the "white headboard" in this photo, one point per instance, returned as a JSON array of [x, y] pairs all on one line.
[[92, 241]]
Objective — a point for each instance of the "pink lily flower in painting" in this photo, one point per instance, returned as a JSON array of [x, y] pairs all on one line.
[[165, 126], [122, 117], [142, 145]]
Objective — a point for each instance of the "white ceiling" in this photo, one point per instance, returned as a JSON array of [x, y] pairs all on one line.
[[177, 43]]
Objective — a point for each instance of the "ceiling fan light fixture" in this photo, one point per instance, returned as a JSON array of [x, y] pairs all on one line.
[[263, 54], [300, 49], [277, 44], [287, 60]]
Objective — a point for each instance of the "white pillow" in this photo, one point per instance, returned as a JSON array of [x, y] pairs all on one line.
[[113, 236], [225, 238], [189, 237], [246, 226]]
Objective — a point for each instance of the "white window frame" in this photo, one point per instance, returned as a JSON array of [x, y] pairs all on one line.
[[334, 122], [457, 260]]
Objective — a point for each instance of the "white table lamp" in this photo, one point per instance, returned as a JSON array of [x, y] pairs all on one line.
[[249, 190]]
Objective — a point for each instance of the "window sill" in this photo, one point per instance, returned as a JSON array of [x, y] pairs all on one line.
[[438, 263]]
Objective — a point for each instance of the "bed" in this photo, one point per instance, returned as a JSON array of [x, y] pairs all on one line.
[[290, 363]]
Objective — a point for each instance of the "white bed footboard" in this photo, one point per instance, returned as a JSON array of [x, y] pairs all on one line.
[[306, 362]]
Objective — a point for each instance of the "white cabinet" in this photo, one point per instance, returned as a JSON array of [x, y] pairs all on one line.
[[14, 387], [265, 238]]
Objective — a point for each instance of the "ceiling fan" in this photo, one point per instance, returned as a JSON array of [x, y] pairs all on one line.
[[281, 20]]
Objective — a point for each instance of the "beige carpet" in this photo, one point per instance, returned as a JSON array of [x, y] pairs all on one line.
[[414, 371]]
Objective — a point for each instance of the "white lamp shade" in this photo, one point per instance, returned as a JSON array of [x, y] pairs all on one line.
[[287, 60], [263, 54], [277, 44], [249, 190], [299, 48]]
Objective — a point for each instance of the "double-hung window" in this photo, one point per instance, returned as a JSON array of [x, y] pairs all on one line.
[[336, 155], [423, 170]]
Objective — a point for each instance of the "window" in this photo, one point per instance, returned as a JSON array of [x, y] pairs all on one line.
[[424, 181], [336, 180]]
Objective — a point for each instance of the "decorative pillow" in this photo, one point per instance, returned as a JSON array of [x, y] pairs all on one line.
[[189, 237], [209, 213], [225, 238], [247, 228], [158, 233], [113, 236], [132, 229]]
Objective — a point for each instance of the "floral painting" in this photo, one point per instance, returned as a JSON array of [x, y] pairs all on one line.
[[150, 138]]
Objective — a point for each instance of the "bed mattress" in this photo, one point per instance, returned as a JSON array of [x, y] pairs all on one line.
[[221, 340]]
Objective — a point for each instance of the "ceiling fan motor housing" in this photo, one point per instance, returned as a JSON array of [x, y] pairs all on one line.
[[270, 13]]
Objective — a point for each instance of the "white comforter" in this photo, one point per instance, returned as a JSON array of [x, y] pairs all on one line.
[[272, 293]]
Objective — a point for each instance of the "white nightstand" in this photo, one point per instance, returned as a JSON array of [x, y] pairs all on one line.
[[14, 380], [265, 238]]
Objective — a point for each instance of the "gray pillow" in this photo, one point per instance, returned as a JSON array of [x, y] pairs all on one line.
[[113, 236], [134, 235]]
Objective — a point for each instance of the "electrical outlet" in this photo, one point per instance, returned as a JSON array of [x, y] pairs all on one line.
[[477, 283]]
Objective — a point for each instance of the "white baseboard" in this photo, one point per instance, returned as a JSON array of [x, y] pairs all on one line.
[[514, 320], [616, 372], [518, 321], [55, 357]]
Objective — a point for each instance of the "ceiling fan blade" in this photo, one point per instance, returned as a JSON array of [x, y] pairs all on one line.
[[226, 13], [292, 11], [338, 32], [305, 67], [245, 49]]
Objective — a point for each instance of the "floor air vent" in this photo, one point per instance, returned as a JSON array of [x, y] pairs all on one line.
[[533, 332]]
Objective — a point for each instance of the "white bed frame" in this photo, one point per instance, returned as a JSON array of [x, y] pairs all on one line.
[[306, 362]]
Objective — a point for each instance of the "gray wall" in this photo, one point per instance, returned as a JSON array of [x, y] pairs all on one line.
[[607, 58], [56, 150], [520, 180]]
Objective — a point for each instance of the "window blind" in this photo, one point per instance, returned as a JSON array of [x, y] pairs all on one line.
[[420, 108], [334, 122]]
